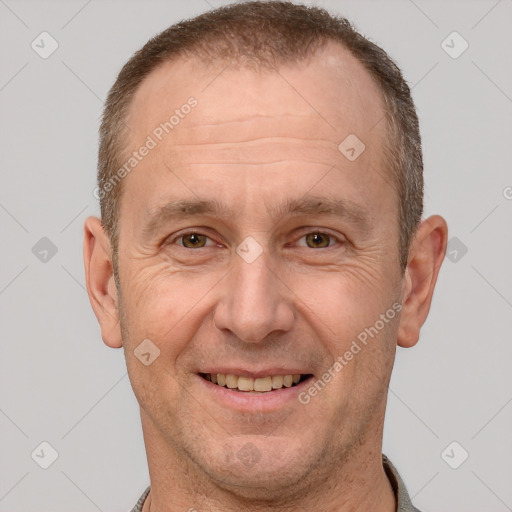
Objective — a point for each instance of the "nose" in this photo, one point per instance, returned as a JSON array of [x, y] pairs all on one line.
[[255, 301]]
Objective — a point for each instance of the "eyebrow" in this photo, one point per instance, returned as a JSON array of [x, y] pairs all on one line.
[[308, 205]]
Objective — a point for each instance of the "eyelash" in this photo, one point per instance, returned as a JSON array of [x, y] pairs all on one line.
[[316, 232]]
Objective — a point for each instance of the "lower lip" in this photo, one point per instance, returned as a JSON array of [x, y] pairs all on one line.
[[246, 402]]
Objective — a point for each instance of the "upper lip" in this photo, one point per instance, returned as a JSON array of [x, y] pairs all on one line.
[[256, 373]]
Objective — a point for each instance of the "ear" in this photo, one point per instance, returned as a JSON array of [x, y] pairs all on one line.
[[425, 258], [99, 278]]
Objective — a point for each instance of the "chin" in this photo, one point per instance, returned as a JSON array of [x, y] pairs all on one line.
[[259, 467], [268, 485]]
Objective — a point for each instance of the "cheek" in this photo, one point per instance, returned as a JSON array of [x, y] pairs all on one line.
[[346, 298], [159, 299], [353, 315], [362, 367]]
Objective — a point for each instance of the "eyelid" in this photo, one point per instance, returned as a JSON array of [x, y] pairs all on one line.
[[199, 231], [321, 231], [304, 232]]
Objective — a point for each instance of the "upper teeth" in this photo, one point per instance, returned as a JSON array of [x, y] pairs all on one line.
[[251, 384]]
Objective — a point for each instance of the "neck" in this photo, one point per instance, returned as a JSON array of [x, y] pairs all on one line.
[[356, 482]]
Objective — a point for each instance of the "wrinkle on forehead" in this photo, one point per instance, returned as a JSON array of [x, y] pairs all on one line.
[[331, 90]]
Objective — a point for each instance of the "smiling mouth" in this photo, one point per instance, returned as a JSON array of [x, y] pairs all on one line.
[[260, 384]]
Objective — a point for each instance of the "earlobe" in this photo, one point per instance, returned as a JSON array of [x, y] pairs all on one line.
[[99, 278], [425, 258]]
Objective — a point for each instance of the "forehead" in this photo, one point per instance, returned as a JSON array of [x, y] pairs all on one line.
[[331, 87], [255, 129]]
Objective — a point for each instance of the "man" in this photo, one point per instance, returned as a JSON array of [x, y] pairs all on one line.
[[260, 255]]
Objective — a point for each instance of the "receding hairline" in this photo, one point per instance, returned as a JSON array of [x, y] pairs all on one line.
[[324, 47]]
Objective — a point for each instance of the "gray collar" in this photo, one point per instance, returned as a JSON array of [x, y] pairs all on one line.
[[404, 503]]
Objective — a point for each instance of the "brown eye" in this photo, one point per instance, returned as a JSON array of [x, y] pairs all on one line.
[[318, 240], [192, 240]]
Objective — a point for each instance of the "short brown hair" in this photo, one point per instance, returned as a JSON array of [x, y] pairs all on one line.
[[268, 33]]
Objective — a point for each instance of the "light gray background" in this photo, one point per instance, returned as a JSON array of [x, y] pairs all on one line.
[[61, 384]]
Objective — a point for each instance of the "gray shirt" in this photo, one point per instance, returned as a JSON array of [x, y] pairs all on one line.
[[402, 497]]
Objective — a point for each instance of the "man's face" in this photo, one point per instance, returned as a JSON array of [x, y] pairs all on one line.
[[255, 144]]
